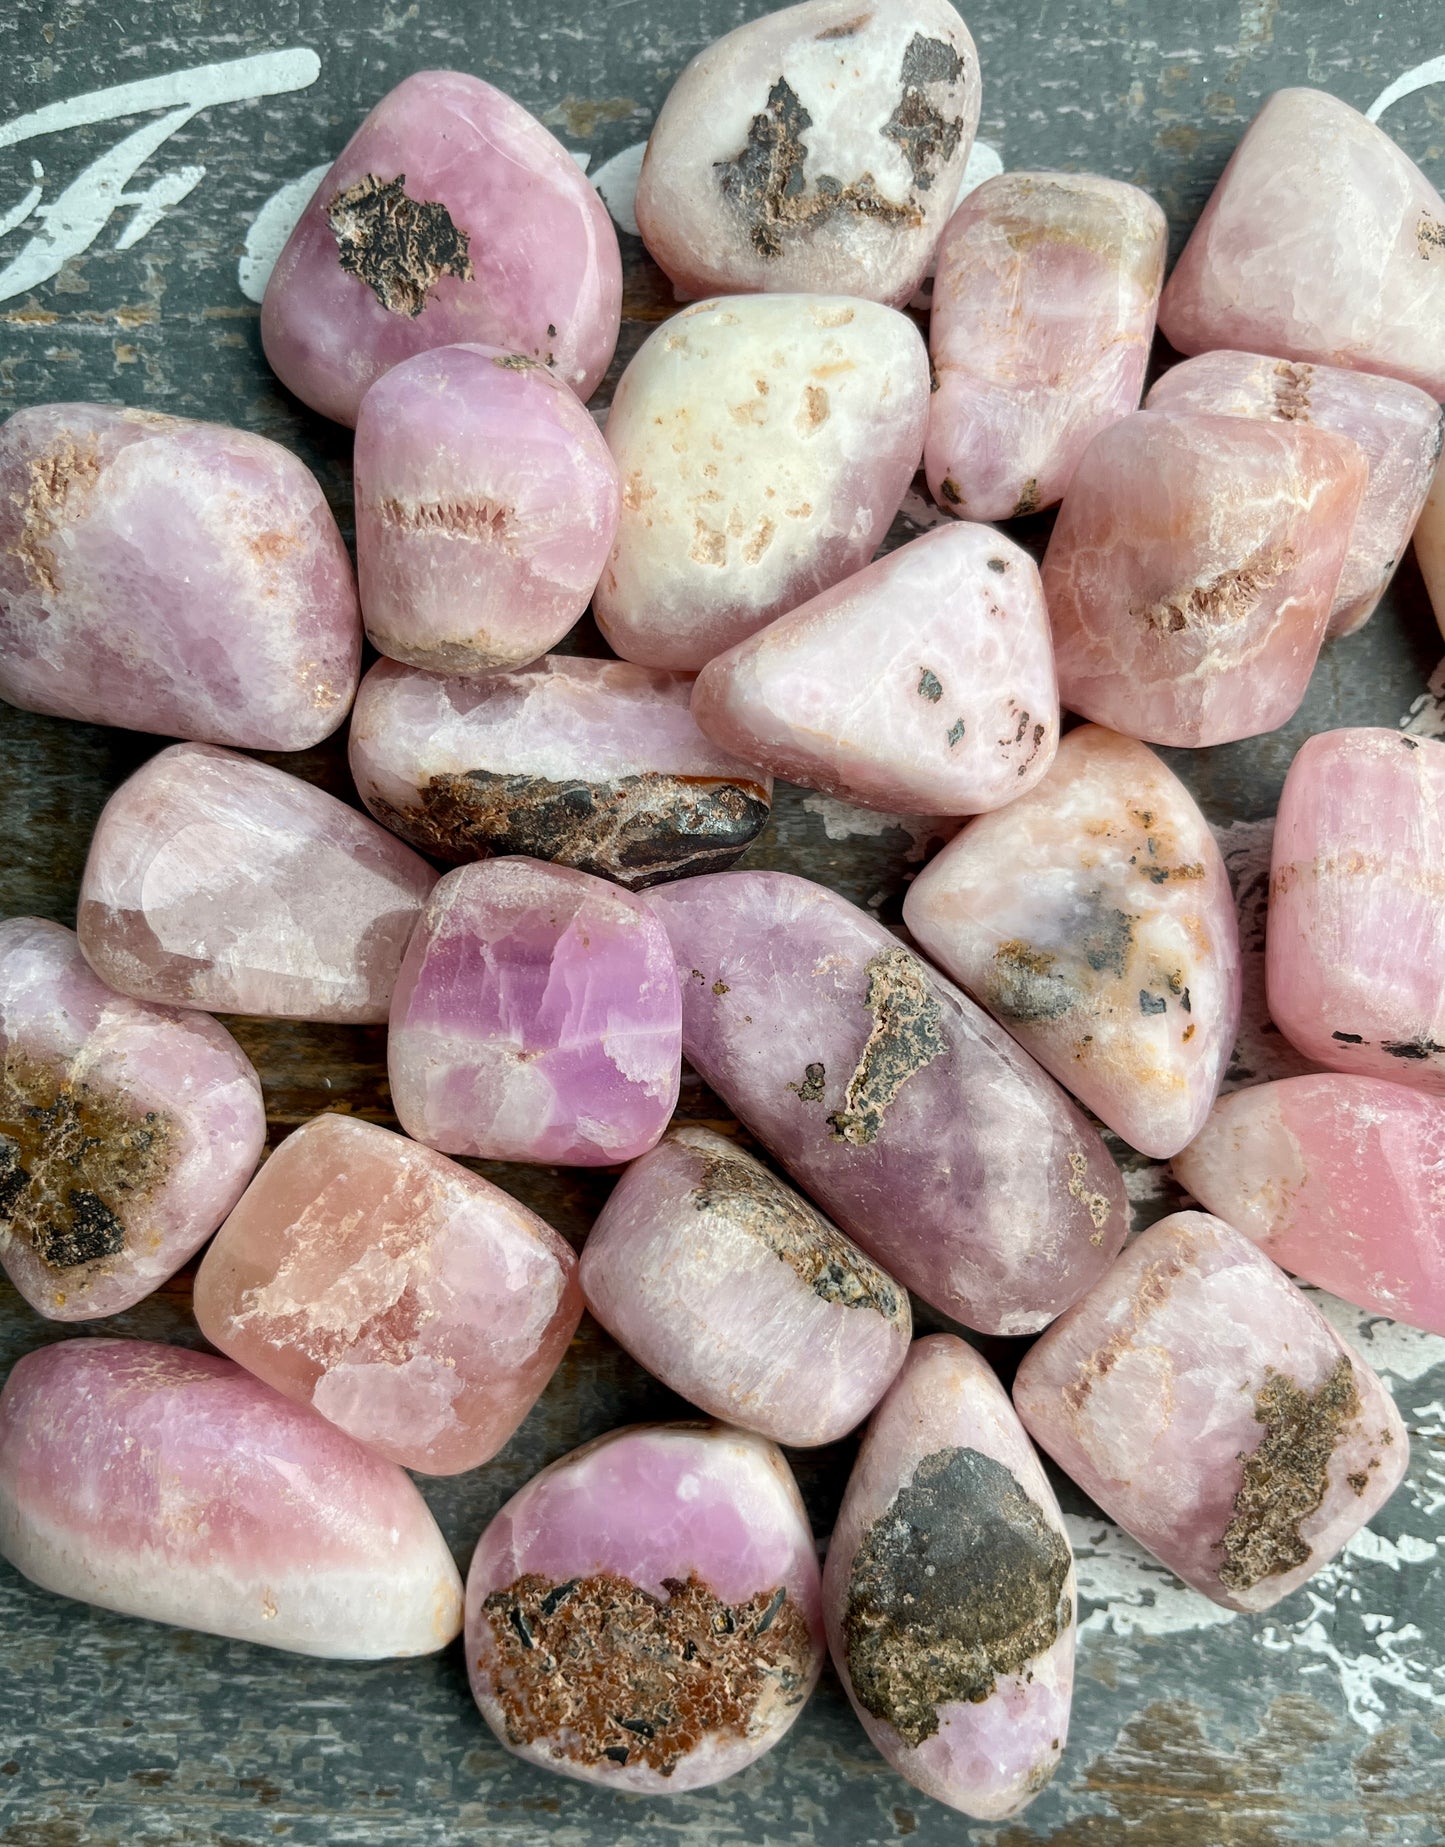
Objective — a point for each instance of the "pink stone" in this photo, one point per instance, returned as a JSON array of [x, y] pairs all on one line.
[[923, 684], [820, 147], [412, 1303], [1094, 919], [765, 443], [486, 505], [949, 1589], [215, 881], [536, 1018], [450, 215], [646, 1614], [1430, 548], [1356, 941], [172, 1485], [1321, 242], [591, 763], [1192, 571], [171, 576], [1210, 1409], [127, 1132], [1043, 313], [913, 1120], [729, 1287]]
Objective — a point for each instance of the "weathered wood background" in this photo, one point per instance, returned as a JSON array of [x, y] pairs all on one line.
[[1322, 1722]]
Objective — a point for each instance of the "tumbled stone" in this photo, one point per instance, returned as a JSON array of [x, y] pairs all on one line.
[[1094, 919], [730, 1288], [1322, 241], [126, 1131], [764, 443], [914, 1121], [1210, 1409], [536, 1018], [1043, 313], [1430, 548], [949, 1589], [645, 1614], [924, 684], [171, 576], [172, 1485], [215, 881], [590, 763], [450, 215], [1192, 570]]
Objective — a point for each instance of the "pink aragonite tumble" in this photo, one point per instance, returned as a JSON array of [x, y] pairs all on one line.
[[1430, 548], [949, 1589], [1094, 919], [486, 505], [450, 215], [416, 1306], [1210, 1409], [126, 1131], [730, 1288], [1355, 945], [1322, 241], [536, 1018], [171, 576], [215, 881], [646, 1614], [1043, 311], [172, 1485], [1339, 1180], [1192, 570], [914, 1121], [924, 684]]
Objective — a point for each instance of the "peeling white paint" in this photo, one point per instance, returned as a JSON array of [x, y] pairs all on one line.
[[616, 180], [1426, 716], [1132, 1592], [1419, 77], [270, 228], [842, 821]]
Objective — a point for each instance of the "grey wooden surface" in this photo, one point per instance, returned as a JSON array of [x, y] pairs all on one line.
[[1323, 1721]]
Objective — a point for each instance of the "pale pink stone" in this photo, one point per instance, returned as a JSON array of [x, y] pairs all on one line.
[[646, 1613], [1323, 242], [171, 576], [1210, 1409], [1043, 312], [949, 1589], [127, 1132], [1355, 949], [215, 881], [1094, 919], [765, 443], [450, 215], [1192, 570], [1430, 548], [172, 1485], [819, 147], [412, 1303], [730, 1288], [536, 1018], [924, 684]]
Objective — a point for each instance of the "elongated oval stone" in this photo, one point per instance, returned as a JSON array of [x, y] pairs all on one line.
[[1094, 919], [589, 763], [949, 1589], [645, 1614], [536, 1018], [1338, 1180], [1043, 313], [816, 148], [173, 1485], [1430, 548], [913, 1120], [127, 1132], [765, 443], [1192, 570], [924, 684], [171, 576], [450, 215], [215, 881], [1212, 1411], [730, 1288]]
